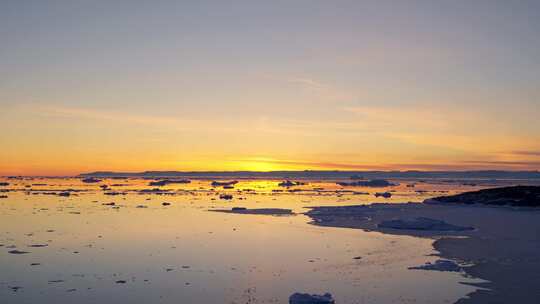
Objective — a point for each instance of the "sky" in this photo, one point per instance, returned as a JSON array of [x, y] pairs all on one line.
[[268, 85]]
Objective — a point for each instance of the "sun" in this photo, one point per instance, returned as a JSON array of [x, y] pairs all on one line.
[[258, 166]]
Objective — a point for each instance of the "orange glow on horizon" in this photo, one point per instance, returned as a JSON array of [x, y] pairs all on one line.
[[254, 164]]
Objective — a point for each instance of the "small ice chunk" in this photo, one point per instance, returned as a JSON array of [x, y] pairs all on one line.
[[305, 298], [439, 265], [226, 196], [18, 252], [422, 223]]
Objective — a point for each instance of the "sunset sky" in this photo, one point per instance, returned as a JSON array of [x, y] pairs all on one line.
[[268, 85]]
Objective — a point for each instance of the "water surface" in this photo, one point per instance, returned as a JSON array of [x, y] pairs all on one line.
[[83, 249]]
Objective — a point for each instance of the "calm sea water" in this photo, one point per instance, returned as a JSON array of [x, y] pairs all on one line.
[[82, 249]]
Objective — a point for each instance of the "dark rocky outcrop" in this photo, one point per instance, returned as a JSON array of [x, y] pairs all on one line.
[[524, 196]]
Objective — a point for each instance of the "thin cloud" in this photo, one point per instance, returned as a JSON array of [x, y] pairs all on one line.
[[504, 163], [526, 153], [259, 124], [310, 83], [412, 116], [455, 166], [319, 165], [321, 90], [85, 113]]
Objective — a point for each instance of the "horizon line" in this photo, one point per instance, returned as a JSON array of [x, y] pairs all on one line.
[[119, 173]]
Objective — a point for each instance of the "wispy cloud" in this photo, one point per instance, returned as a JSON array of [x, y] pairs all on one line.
[[471, 165], [526, 153], [259, 124], [315, 164], [409, 116], [321, 90], [307, 82], [457, 165], [115, 116], [505, 163]]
